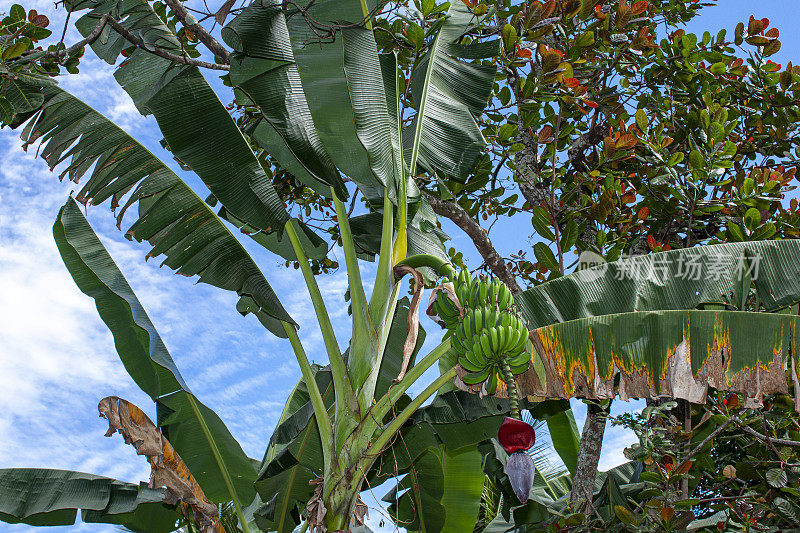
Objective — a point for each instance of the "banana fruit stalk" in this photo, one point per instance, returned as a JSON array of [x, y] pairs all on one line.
[[485, 327]]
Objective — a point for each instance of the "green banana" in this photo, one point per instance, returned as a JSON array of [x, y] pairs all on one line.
[[489, 331]]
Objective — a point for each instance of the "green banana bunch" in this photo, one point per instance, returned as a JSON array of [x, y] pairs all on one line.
[[487, 331]]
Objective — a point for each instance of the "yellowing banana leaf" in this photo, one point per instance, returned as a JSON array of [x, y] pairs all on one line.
[[197, 433], [679, 354], [196, 126], [42, 497], [167, 468]]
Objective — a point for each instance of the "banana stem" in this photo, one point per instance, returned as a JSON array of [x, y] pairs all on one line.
[[511, 386]]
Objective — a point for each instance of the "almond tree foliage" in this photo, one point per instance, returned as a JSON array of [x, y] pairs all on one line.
[[601, 121]]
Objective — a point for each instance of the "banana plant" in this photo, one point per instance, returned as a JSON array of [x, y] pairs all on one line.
[[359, 411], [331, 113]]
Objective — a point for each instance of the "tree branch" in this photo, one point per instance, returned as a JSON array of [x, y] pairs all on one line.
[[92, 37], [190, 23], [133, 39], [461, 218]]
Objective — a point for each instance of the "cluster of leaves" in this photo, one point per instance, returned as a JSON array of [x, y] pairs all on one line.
[[20, 32], [613, 140], [730, 482]]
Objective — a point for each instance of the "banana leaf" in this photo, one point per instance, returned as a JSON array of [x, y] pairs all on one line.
[[264, 72], [442, 491], [197, 128], [172, 218], [195, 431], [679, 354], [343, 87], [41, 497], [450, 88], [677, 279]]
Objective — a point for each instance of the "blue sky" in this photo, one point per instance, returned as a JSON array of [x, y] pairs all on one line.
[[57, 358]]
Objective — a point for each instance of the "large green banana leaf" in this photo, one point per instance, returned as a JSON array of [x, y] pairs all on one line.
[[630, 293], [451, 88], [41, 497], [665, 353], [172, 217], [196, 432], [343, 85], [196, 126], [442, 491], [678, 279], [313, 245], [565, 437], [264, 72]]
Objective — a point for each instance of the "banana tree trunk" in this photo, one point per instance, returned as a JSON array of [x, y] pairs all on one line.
[[589, 456], [341, 513]]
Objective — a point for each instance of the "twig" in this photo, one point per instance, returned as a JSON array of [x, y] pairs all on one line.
[[119, 28], [705, 441], [189, 22], [92, 37], [133, 39]]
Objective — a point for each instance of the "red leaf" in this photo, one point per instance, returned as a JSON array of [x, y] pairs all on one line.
[[571, 82], [590, 103], [515, 435], [651, 242], [524, 52], [545, 134], [41, 21], [639, 7]]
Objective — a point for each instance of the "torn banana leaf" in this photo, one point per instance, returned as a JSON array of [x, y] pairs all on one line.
[[677, 354], [43, 497], [172, 218], [195, 430], [197, 127], [167, 468]]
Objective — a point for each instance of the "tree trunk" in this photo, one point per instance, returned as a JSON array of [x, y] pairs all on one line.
[[343, 508], [588, 456]]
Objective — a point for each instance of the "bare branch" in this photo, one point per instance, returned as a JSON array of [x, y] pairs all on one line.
[[480, 239], [190, 23], [766, 439]]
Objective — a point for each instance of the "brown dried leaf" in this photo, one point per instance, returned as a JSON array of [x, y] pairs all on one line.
[[729, 471], [315, 508], [167, 468], [413, 314], [223, 11]]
